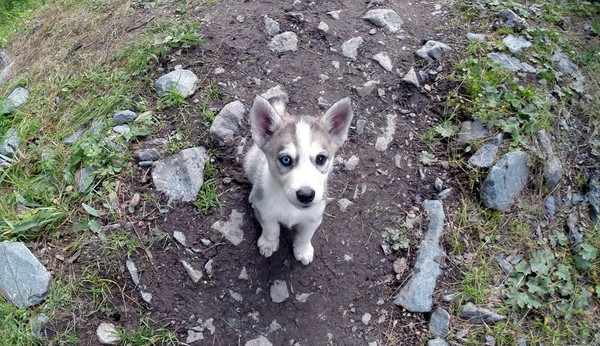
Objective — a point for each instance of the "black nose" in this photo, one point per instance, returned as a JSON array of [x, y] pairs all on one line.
[[305, 195]]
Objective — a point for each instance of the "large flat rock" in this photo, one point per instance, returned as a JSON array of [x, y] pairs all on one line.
[[181, 176]]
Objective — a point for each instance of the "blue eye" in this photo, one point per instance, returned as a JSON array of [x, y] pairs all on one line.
[[321, 160], [286, 160]]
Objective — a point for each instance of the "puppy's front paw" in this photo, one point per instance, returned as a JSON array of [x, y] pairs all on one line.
[[304, 253], [267, 246]]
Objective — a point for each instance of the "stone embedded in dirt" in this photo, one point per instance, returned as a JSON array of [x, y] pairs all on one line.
[[384, 60], [445, 193], [437, 342], [235, 296], [122, 129], [550, 205], [415, 295], [4, 58], [6, 72], [351, 163], [193, 336], [217, 71], [37, 325], [400, 265], [366, 318], [150, 154], [133, 271], [243, 274], [124, 117], [146, 296], [180, 176], [227, 123], [303, 297], [438, 184], [361, 124], [323, 27], [180, 237], [183, 81], [16, 99], [484, 157], [107, 334], [194, 274], [506, 267], [432, 51], [564, 64], [23, 279], [271, 26], [593, 197], [231, 229], [367, 88], [478, 315], [385, 18], [260, 341], [284, 42], [476, 37], [388, 134], [74, 137], [344, 204], [449, 298], [472, 131], [84, 179], [575, 233], [335, 14], [279, 291], [9, 146], [511, 19], [439, 323], [505, 181], [350, 47], [511, 63], [553, 169], [276, 94], [516, 45], [411, 78], [208, 267]]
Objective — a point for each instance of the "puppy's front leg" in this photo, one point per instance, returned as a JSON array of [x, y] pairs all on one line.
[[303, 249], [269, 238]]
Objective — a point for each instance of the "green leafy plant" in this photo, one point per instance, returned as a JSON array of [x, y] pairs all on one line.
[[397, 238], [427, 158]]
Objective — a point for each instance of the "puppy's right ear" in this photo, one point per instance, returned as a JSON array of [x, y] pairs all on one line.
[[264, 120]]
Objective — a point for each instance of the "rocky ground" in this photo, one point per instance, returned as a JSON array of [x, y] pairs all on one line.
[[206, 281]]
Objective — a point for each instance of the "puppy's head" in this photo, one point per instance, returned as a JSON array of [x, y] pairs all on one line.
[[300, 150]]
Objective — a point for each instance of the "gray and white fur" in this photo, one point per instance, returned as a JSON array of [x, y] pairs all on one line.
[[288, 166]]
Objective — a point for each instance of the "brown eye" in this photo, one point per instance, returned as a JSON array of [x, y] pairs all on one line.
[[321, 159]]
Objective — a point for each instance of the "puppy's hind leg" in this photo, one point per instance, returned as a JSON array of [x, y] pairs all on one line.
[[303, 249]]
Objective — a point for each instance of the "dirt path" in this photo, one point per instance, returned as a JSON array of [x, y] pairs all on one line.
[[345, 296]]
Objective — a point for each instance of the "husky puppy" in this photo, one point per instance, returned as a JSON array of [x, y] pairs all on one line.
[[288, 166]]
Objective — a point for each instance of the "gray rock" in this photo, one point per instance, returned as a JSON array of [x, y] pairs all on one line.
[[236, 296], [511, 63], [437, 342], [577, 199], [74, 137], [107, 334], [415, 295], [122, 129], [271, 26], [231, 229], [433, 51], [150, 154], [23, 279], [484, 157], [180, 237], [124, 117], [335, 14], [472, 131], [439, 323], [367, 88], [276, 94], [279, 291], [384, 60], [361, 124], [193, 336], [382, 142], [284, 42], [9, 144], [260, 341], [575, 233], [449, 298], [505, 181], [503, 263], [553, 172], [323, 27], [227, 123], [180, 176], [193, 273], [16, 99], [183, 82], [411, 78], [476, 37], [6, 72], [208, 267], [4, 58], [350, 47], [243, 274], [133, 271], [550, 205], [85, 179], [385, 18], [445, 193], [344, 204], [478, 315], [564, 64], [516, 45], [593, 197], [438, 184], [511, 19], [351, 163], [37, 325], [366, 318]]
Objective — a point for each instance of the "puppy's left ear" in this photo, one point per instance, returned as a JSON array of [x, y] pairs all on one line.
[[337, 120]]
